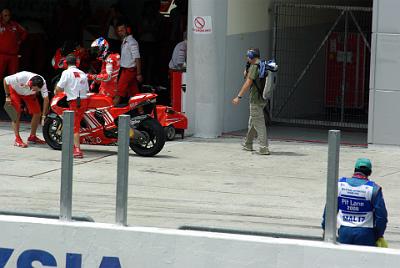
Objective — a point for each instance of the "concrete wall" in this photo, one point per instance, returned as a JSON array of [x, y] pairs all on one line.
[[216, 62], [249, 16], [249, 25], [384, 108], [206, 68], [75, 245]]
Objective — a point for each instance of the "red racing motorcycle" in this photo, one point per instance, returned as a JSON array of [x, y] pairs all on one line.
[[99, 125]]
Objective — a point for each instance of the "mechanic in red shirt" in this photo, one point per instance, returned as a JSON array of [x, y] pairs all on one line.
[[108, 76], [11, 36]]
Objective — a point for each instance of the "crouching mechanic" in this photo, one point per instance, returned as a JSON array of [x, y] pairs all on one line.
[[362, 214], [21, 88], [108, 76], [74, 83]]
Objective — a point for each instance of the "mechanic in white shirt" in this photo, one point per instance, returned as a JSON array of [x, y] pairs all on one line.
[[74, 83], [21, 88], [178, 60], [131, 68]]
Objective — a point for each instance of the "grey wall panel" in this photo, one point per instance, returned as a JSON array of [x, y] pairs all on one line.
[[221, 28], [386, 127], [387, 15], [371, 112], [387, 61], [235, 117], [375, 16], [373, 60]]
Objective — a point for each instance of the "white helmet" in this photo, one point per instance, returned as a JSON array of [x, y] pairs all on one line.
[[100, 47]]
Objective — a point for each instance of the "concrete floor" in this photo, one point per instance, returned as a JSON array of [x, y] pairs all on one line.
[[198, 183], [308, 134]]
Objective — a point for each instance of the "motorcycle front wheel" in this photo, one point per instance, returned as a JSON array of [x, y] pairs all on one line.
[[170, 133], [153, 138], [52, 132]]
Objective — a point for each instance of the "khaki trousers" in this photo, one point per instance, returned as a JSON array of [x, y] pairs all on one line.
[[257, 126]]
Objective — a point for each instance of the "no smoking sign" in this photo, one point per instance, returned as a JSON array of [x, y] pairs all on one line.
[[202, 24]]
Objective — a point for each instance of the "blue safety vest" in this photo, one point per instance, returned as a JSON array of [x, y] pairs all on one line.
[[354, 204]]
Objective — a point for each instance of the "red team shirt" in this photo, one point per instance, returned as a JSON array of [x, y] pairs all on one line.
[[108, 76], [11, 36]]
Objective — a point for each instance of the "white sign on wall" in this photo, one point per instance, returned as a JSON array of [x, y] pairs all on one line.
[[202, 24]]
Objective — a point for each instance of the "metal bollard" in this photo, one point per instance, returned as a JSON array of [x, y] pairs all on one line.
[[332, 186], [122, 170], [67, 166]]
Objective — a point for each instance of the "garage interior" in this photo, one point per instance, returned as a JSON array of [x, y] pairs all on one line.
[[323, 49], [51, 22]]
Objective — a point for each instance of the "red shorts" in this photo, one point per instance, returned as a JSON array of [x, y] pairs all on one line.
[[127, 83], [30, 101], [79, 112]]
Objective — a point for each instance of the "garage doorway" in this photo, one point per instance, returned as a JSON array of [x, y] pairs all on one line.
[[324, 58]]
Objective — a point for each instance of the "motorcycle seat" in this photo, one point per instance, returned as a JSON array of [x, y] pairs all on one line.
[[121, 105]]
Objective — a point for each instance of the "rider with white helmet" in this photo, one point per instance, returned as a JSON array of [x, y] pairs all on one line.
[[108, 76]]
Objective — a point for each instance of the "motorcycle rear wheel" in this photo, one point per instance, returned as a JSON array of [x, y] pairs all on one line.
[[155, 138], [52, 132]]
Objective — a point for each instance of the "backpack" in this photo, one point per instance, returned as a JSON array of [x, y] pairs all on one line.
[[270, 84], [267, 70]]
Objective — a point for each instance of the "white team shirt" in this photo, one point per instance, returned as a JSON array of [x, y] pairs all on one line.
[[129, 52], [19, 82], [74, 82], [179, 55]]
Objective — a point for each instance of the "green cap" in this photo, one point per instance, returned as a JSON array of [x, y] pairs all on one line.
[[363, 162]]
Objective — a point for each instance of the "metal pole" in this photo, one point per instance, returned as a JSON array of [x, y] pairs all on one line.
[[356, 89], [332, 186], [275, 32], [360, 31], [274, 53], [67, 166], [122, 170], [337, 7], [344, 65]]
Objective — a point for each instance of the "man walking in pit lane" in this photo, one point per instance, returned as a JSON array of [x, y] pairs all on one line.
[[256, 126], [22, 88]]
